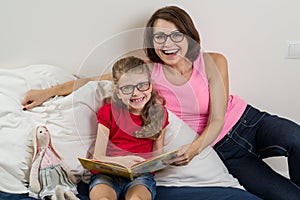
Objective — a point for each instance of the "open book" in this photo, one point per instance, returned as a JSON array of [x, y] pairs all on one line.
[[150, 165]]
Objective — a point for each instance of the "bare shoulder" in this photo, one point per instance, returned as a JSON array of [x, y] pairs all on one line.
[[215, 58]]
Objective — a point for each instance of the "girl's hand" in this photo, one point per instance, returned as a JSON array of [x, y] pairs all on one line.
[[128, 161]]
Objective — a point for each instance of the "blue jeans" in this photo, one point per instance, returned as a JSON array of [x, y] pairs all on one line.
[[259, 135], [122, 185], [163, 193], [174, 193], [8, 196], [203, 193]]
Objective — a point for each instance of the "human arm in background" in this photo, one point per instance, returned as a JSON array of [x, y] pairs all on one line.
[[217, 74], [34, 98]]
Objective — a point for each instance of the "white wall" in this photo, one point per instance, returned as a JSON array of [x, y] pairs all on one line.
[[252, 34]]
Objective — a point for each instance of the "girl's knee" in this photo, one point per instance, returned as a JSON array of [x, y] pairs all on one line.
[[138, 192]]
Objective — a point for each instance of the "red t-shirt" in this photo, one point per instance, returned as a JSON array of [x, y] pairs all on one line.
[[122, 125]]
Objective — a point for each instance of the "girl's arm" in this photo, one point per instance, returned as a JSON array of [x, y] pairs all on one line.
[[101, 146], [101, 143], [36, 97], [217, 74]]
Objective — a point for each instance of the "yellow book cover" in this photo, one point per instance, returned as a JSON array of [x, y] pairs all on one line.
[[150, 165]]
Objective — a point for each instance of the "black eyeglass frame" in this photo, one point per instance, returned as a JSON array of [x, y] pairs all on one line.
[[138, 86], [171, 35]]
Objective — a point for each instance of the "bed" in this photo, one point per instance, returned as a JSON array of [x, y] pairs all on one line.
[[71, 121]]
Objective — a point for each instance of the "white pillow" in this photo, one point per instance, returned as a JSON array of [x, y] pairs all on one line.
[[16, 125], [205, 169], [72, 123]]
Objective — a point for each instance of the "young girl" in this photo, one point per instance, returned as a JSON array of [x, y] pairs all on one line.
[[130, 129]]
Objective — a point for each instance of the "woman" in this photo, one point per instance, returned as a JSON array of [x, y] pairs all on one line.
[[195, 86], [241, 134]]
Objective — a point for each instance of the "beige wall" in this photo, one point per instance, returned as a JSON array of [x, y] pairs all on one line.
[[252, 34]]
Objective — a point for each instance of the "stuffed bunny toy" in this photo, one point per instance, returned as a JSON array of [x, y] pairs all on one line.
[[49, 178]]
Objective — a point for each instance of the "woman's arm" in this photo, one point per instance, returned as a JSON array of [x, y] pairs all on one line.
[[217, 74], [34, 98]]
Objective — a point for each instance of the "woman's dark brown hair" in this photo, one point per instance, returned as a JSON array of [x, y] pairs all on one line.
[[182, 21]]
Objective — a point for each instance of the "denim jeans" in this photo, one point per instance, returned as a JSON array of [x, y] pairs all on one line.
[[122, 185], [259, 135], [174, 193], [203, 193]]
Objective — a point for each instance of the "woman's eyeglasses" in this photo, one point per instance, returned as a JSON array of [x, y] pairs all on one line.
[[161, 38], [128, 89]]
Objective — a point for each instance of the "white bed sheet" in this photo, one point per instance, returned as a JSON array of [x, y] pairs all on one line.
[[71, 121]]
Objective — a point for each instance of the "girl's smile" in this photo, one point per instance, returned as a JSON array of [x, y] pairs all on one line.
[[135, 100]]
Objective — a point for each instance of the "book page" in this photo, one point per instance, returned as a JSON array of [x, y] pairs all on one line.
[[153, 164], [106, 168], [147, 166]]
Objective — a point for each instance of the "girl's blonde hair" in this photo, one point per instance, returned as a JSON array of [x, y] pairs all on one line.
[[151, 114]]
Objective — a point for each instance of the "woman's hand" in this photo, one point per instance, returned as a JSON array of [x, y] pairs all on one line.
[[34, 98], [37, 97], [184, 155]]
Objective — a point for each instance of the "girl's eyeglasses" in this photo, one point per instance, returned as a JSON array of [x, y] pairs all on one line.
[[161, 38], [128, 89]]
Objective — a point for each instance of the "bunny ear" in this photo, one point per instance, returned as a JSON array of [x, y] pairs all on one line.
[[50, 143], [34, 143], [34, 185]]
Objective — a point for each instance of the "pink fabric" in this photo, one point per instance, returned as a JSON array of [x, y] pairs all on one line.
[[49, 158], [190, 101]]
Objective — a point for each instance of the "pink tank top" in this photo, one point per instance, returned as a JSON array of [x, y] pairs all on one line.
[[190, 101]]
